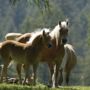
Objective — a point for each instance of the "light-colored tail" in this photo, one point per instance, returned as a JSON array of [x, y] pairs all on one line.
[[71, 58], [69, 62]]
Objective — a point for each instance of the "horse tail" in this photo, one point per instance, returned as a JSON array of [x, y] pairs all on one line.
[[0, 48], [71, 57]]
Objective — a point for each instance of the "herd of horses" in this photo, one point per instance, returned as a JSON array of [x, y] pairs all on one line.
[[43, 45]]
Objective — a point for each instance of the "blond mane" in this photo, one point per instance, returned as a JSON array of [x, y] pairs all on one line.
[[55, 33], [36, 33]]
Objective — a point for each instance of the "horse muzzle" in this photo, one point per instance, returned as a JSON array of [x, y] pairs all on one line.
[[64, 40]]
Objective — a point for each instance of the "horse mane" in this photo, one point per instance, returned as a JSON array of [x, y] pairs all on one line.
[[0, 44], [24, 38], [55, 33], [37, 33]]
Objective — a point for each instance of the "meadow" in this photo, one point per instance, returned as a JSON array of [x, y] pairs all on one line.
[[40, 87]]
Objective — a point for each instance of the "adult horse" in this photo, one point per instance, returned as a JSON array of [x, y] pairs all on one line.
[[68, 64], [23, 53], [54, 55]]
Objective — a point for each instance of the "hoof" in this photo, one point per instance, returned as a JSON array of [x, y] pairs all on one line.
[[49, 86]]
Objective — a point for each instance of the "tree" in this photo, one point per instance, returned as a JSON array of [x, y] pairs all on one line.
[[42, 4]]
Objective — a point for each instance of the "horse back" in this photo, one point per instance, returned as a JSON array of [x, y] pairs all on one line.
[[24, 38]]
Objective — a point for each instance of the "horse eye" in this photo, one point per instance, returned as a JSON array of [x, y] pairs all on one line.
[[48, 33]]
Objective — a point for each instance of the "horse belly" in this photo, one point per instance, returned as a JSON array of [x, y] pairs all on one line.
[[52, 54], [18, 57], [48, 55], [20, 60]]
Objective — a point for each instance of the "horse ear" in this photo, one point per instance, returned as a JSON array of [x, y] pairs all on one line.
[[60, 23], [67, 20], [44, 33]]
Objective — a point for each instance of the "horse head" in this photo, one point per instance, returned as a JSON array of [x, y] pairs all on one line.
[[47, 38], [60, 32], [41, 38], [63, 31]]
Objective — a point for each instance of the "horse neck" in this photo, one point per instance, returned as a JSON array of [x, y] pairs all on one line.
[[36, 44], [55, 35]]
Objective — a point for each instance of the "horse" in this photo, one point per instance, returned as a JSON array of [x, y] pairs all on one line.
[[68, 64], [24, 38], [12, 36], [26, 54], [54, 56]]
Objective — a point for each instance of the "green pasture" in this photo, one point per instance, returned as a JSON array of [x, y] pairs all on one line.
[[40, 87]]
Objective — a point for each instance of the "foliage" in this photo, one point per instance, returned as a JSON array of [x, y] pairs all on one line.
[[42, 4]]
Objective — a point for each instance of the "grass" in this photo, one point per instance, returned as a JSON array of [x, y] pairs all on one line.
[[40, 87]]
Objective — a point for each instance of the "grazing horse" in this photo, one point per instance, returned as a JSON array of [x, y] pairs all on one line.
[[26, 54], [54, 56], [68, 64]]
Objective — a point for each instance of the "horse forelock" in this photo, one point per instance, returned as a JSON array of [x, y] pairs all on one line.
[[64, 24], [37, 33]]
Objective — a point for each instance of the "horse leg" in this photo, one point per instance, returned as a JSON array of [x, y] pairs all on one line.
[[18, 68], [60, 77], [67, 76], [57, 74], [51, 80], [26, 69], [4, 71], [35, 72]]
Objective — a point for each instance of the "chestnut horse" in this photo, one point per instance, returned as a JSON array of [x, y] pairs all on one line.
[[24, 38], [54, 56], [24, 53], [68, 64]]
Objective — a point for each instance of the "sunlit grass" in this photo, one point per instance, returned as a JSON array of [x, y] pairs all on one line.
[[40, 87]]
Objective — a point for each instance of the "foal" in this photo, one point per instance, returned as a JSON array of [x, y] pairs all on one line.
[[26, 54]]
